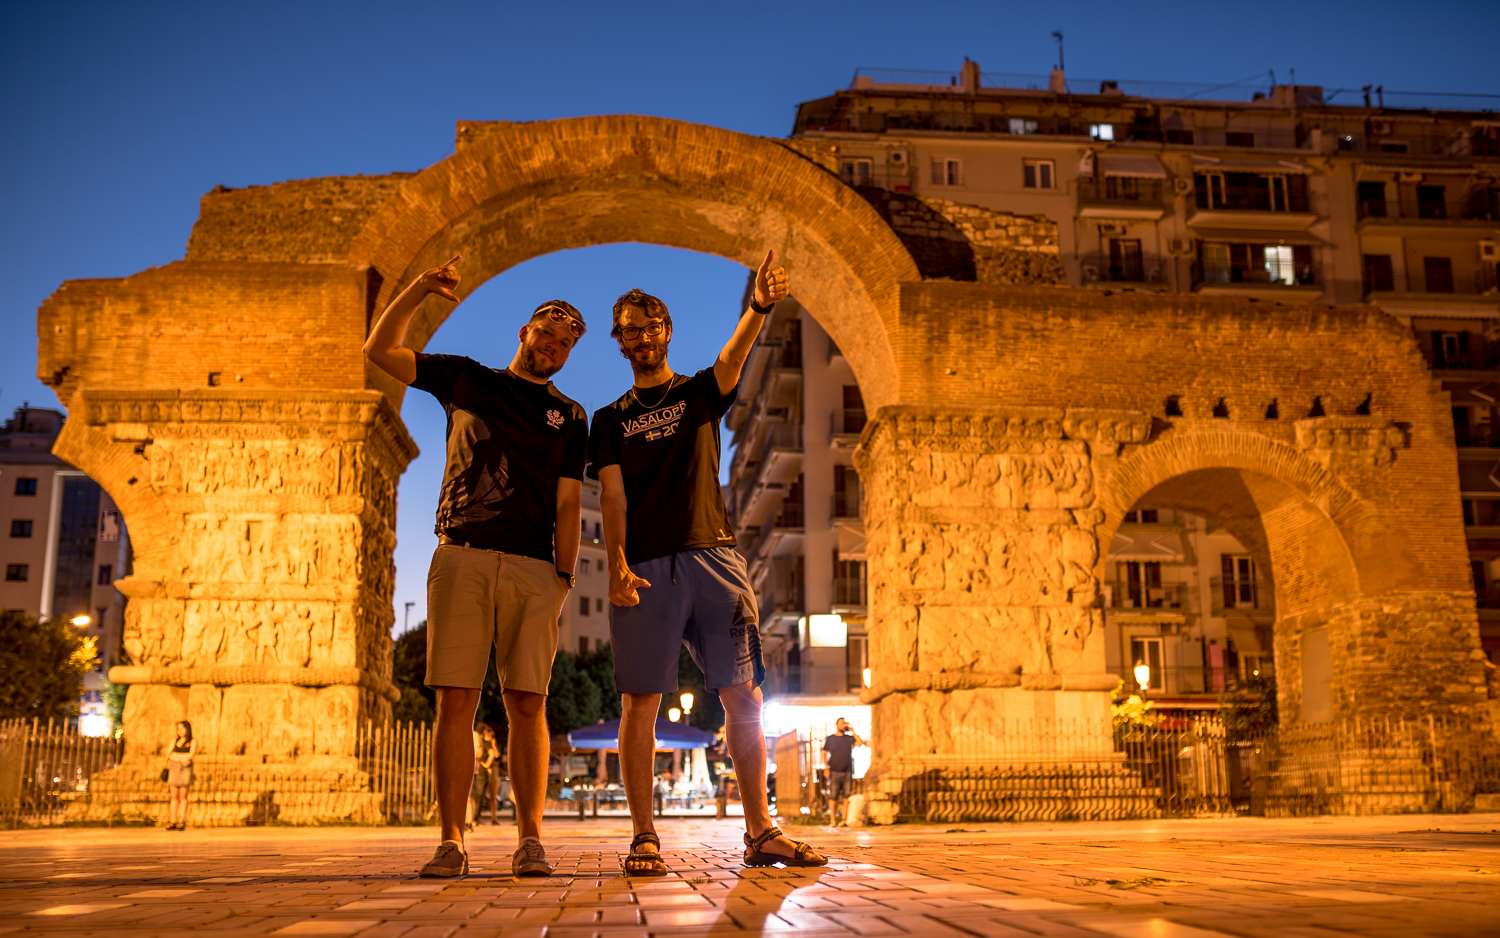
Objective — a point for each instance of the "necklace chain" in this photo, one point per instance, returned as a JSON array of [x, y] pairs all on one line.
[[665, 391]]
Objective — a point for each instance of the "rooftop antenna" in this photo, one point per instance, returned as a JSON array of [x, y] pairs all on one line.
[[1058, 35]]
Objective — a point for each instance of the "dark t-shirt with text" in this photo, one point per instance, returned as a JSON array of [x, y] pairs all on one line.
[[840, 749], [668, 454], [509, 441]]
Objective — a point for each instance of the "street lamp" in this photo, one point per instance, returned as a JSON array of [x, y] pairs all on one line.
[[674, 714], [80, 620], [687, 704], [1143, 675], [867, 677]]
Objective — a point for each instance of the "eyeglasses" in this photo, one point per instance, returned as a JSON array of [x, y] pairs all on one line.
[[653, 329], [562, 318]]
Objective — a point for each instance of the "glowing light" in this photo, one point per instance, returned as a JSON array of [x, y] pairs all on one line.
[[80, 620], [674, 714], [687, 703], [867, 677], [1143, 675]]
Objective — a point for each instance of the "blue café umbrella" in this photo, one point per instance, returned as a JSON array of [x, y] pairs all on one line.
[[669, 735]]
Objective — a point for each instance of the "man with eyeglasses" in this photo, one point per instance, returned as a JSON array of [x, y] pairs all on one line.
[[508, 529], [674, 575]]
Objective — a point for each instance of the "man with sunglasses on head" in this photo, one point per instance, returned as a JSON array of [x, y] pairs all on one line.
[[674, 575], [508, 528]]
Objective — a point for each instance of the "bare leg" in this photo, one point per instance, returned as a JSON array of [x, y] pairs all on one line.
[[638, 759], [747, 747], [453, 756], [529, 751]]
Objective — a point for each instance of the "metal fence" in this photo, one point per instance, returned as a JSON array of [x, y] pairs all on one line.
[[45, 767], [1171, 766], [398, 760]]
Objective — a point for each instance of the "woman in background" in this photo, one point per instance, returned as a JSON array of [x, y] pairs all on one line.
[[180, 774]]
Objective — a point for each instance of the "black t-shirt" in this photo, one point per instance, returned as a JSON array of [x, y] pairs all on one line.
[[509, 441], [840, 749], [668, 454]]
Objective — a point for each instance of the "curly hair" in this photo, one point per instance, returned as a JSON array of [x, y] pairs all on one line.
[[649, 305]]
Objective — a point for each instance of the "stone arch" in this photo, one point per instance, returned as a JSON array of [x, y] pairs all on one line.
[[519, 191]]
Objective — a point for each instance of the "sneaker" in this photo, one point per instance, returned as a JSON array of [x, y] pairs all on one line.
[[530, 859], [450, 860]]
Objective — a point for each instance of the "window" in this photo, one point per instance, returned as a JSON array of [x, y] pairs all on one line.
[[1019, 125], [1238, 581], [1378, 272], [1102, 131], [1148, 652], [1179, 136], [856, 172], [583, 644], [1372, 200], [598, 605], [1481, 581], [1468, 505], [1256, 665], [1437, 273], [1450, 350], [597, 535], [16, 572], [583, 605], [1143, 516], [1037, 174], [25, 486], [856, 659], [106, 574], [846, 499], [1251, 192], [947, 172], [601, 565], [1430, 202], [1278, 264], [1143, 589], [1239, 139], [1125, 259], [20, 528]]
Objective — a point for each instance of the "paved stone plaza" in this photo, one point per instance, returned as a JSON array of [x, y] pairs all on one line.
[[1404, 876]]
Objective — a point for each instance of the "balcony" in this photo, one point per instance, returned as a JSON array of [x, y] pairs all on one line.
[[791, 517], [1480, 283], [1284, 281], [1180, 680], [1455, 143], [1241, 598], [846, 506], [1121, 197], [850, 593], [1483, 209], [1166, 599], [845, 426], [1133, 270], [1251, 200], [781, 453]]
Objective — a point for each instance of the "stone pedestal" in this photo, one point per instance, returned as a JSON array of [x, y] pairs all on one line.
[[987, 653], [260, 603]]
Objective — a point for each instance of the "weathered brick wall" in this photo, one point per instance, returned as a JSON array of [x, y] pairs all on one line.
[[304, 221]]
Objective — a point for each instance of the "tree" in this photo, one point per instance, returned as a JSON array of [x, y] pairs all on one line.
[[1249, 708], [572, 697], [408, 672], [44, 664], [599, 665]]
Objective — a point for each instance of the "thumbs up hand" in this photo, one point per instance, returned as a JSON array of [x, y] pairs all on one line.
[[771, 283]]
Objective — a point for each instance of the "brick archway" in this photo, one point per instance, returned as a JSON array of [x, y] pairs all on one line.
[[512, 192]]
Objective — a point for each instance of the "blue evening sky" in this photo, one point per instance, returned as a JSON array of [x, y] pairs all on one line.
[[118, 117]]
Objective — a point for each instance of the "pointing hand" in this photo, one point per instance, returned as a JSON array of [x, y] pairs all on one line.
[[442, 280]]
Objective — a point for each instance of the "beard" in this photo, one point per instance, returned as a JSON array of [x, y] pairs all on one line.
[[534, 365], [647, 364]]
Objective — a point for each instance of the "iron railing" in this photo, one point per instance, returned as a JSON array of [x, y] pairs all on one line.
[[1234, 595], [1483, 207], [46, 767], [850, 590], [1121, 190], [845, 505], [1125, 594], [1103, 268], [1289, 275], [848, 421], [1479, 283]]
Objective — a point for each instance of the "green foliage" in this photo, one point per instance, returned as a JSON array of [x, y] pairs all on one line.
[[1249, 708], [599, 665], [408, 671], [44, 664], [1132, 715], [114, 703], [573, 699]]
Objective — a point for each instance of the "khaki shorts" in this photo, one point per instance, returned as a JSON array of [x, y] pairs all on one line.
[[478, 598]]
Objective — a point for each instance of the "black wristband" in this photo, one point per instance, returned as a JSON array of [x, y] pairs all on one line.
[[756, 307]]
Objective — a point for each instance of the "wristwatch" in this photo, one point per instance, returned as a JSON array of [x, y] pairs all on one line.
[[761, 309], [569, 578]]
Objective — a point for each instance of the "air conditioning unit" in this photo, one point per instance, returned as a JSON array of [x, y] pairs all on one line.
[[898, 157], [1409, 177], [1182, 185], [1488, 251], [1380, 127], [1180, 247], [1090, 273], [1108, 228]]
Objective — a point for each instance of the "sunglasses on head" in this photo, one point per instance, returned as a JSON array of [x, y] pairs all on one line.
[[561, 317]]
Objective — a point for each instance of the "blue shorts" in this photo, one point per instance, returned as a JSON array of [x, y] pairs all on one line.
[[700, 598]]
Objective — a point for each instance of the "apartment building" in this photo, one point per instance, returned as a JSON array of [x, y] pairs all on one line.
[[66, 546], [584, 623], [795, 498], [1288, 193]]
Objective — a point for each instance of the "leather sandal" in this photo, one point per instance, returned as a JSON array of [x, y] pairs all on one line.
[[641, 863], [805, 855]]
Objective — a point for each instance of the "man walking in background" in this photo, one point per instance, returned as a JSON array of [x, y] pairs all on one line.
[[508, 529], [675, 577], [840, 750]]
